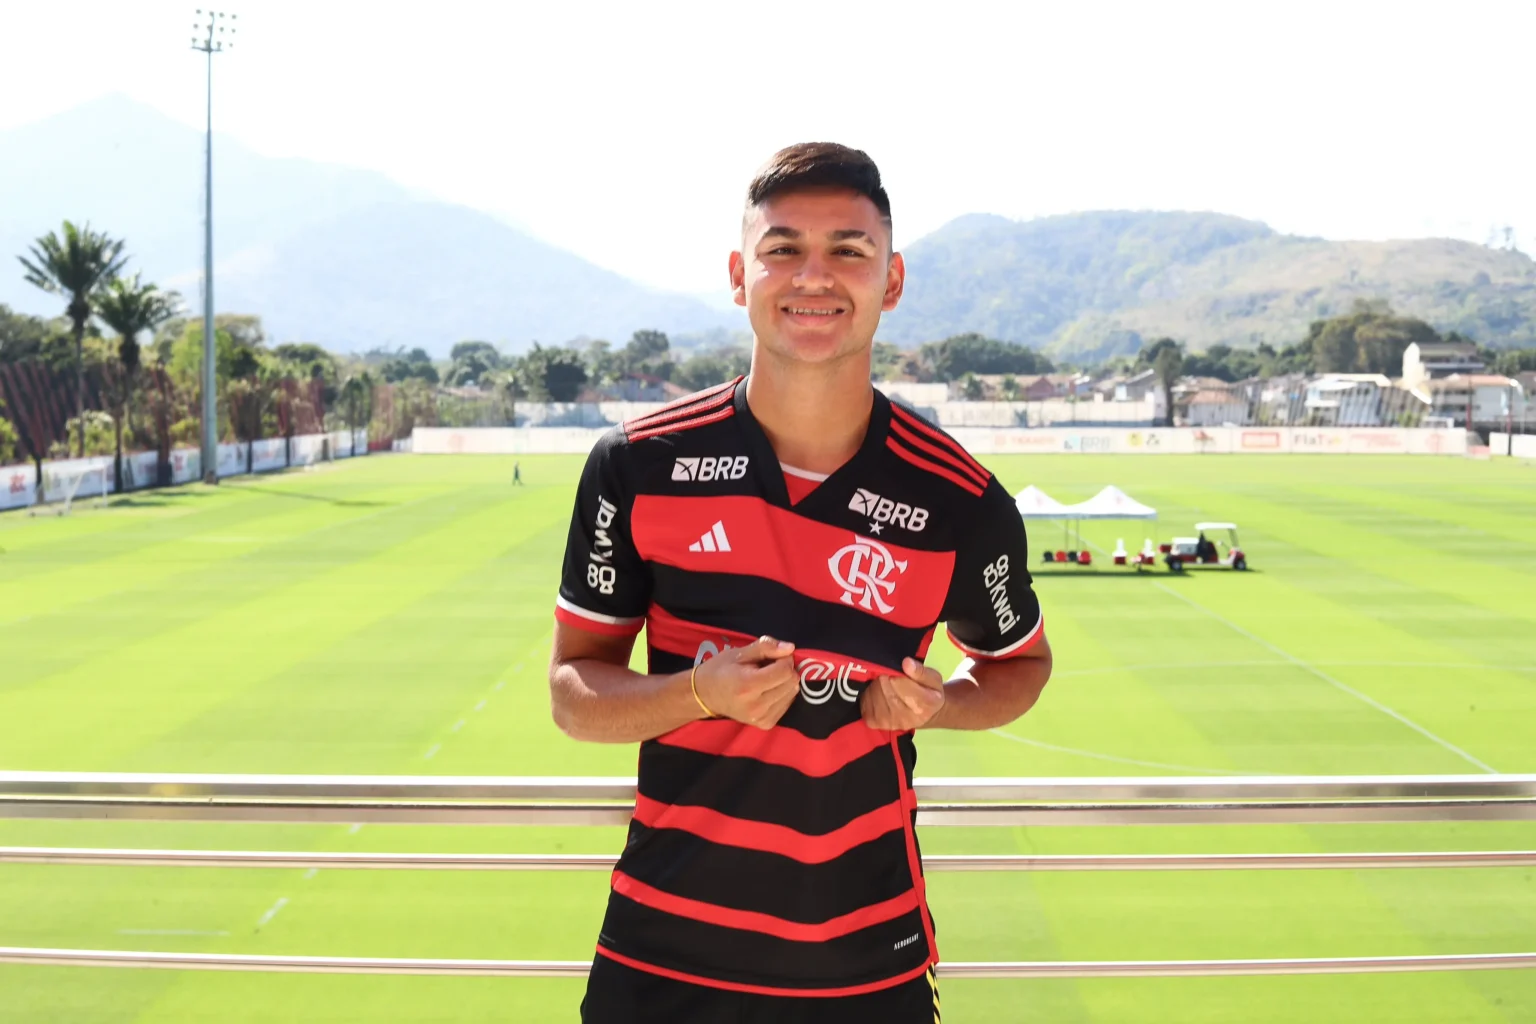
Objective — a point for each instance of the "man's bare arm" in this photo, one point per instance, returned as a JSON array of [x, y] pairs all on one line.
[[595, 696], [989, 694], [982, 695]]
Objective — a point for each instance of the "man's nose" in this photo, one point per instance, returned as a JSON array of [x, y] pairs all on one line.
[[813, 274]]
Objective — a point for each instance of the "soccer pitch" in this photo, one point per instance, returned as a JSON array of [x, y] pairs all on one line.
[[392, 615]]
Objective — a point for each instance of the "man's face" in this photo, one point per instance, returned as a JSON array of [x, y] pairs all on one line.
[[815, 271]]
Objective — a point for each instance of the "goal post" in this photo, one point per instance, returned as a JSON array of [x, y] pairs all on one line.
[[64, 484]]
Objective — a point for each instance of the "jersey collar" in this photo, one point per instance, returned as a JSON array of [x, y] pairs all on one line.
[[765, 462]]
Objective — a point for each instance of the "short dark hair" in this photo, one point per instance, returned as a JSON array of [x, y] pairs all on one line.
[[808, 165]]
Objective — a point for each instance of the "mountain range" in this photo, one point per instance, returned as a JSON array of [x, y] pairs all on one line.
[[1089, 285], [340, 256], [350, 259]]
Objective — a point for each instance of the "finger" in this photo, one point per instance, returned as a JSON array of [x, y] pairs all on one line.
[[781, 705], [771, 711], [765, 648], [880, 714], [773, 675], [921, 673], [919, 701]]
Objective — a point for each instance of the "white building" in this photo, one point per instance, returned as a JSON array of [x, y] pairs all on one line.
[[1346, 399], [1433, 360], [1472, 399]]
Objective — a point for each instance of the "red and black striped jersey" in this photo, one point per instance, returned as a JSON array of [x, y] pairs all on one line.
[[785, 860]]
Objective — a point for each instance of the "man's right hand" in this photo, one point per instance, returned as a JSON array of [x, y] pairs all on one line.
[[754, 684]]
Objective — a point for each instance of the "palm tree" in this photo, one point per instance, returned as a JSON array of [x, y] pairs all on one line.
[[76, 267], [130, 308]]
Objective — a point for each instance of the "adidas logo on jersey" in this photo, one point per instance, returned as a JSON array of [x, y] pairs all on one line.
[[722, 467], [884, 510], [714, 539]]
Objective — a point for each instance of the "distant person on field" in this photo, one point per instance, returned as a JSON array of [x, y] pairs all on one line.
[[788, 540], [517, 473]]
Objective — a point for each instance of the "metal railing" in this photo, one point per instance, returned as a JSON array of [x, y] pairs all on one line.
[[609, 801]]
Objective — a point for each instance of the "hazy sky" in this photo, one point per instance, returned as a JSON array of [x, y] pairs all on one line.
[[627, 131]]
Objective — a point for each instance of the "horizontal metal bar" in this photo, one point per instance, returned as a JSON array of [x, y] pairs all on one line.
[[579, 968], [465, 812], [342, 787], [578, 788], [1215, 968], [1232, 813], [605, 861], [316, 811]]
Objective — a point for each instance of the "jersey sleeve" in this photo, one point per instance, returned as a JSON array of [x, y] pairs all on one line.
[[604, 585], [991, 611]]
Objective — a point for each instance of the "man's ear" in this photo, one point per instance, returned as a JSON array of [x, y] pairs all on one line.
[[895, 282], [738, 266]]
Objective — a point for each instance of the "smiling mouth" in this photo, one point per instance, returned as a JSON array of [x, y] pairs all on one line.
[[810, 311]]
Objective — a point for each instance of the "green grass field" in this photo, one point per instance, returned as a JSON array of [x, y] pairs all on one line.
[[393, 615]]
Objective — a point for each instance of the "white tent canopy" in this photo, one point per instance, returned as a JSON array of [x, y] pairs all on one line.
[[1034, 503], [1110, 503]]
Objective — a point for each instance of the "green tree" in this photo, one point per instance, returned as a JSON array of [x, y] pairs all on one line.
[[398, 369], [10, 441], [956, 356], [129, 308], [553, 374], [1168, 364], [1224, 363], [22, 336], [706, 369], [1518, 360], [357, 399], [75, 267], [885, 361], [472, 361]]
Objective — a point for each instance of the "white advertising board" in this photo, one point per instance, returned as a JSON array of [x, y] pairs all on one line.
[[186, 465], [268, 454], [139, 470], [505, 440], [1002, 441], [307, 449], [1522, 447], [341, 444], [18, 486], [231, 460], [99, 482]]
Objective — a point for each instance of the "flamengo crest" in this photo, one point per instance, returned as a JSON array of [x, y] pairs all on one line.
[[863, 570]]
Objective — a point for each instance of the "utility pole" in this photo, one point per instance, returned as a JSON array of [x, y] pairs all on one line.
[[212, 33]]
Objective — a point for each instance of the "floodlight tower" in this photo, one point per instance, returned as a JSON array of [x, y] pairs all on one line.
[[212, 32]]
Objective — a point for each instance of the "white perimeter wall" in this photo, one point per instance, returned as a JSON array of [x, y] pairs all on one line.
[[1524, 445], [18, 484], [990, 441]]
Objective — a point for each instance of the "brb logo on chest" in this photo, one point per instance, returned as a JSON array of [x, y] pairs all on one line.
[[709, 467], [864, 569], [884, 510]]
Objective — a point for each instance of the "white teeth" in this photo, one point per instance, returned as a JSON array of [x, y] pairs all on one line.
[[815, 312]]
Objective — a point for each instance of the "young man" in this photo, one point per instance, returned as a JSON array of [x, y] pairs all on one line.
[[789, 541]]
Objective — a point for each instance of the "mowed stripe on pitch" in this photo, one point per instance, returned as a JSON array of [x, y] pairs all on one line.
[[142, 561], [72, 721]]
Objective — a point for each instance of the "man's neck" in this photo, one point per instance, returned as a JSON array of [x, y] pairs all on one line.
[[815, 416]]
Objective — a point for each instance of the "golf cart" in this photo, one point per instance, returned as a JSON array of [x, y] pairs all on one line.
[[1201, 552]]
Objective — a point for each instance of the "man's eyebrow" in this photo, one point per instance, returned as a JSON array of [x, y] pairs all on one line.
[[847, 234], [781, 232]]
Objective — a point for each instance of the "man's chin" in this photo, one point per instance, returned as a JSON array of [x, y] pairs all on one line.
[[818, 348]]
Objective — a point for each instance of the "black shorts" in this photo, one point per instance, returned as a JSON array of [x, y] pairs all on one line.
[[617, 994]]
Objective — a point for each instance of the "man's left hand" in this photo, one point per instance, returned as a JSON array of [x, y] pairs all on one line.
[[905, 702]]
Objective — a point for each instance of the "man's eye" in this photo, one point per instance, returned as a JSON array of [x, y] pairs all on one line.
[[849, 252], [783, 250]]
